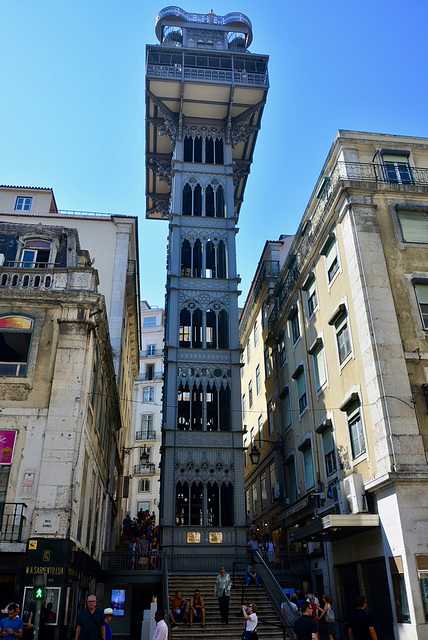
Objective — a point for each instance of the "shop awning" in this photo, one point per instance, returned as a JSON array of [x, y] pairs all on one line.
[[335, 526]]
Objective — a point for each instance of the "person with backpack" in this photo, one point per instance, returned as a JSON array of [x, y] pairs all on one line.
[[327, 618]]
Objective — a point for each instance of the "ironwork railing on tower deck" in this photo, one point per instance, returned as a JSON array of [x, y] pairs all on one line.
[[219, 76], [343, 171], [12, 520]]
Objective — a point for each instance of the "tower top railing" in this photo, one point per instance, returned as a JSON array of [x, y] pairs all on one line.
[[203, 18]]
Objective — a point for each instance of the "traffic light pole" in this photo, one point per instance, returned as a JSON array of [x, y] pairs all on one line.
[[39, 596], [37, 619]]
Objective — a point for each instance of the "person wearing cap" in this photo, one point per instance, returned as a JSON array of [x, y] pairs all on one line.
[[11, 627], [108, 615], [161, 631], [90, 622]]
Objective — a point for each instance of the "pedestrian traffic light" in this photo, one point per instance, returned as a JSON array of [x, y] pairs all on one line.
[[39, 586]]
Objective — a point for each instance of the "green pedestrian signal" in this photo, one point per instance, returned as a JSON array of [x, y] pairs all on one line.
[[39, 586]]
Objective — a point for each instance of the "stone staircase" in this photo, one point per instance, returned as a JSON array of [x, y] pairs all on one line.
[[215, 630]]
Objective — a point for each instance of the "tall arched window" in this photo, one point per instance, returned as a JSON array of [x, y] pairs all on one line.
[[201, 409], [209, 202], [186, 259], [187, 200], [203, 260], [220, 208], [205, 150], [197, 259], [144, 485], [190, 504], [221, 260]]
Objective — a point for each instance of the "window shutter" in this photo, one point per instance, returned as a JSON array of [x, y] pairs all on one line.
[[414, 226]]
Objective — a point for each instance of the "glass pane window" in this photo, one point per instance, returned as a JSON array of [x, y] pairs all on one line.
[[23, 204], [331, 257], [286, 408], [260, 428], [244, 407], [270, 417], [329, 453], [147, 426], [255, 498], [149, 322], [295, 327], [356, 432], [301, 390], [258, 381], [248, 351], [250, 394], [256, 334], [421, 291], [291, 481], [414, 226], [343, 338], [397, 168], [319, 366], [268, 368], [312, 300], [263, 491], [309, 468], [148, 394], [281, 348]]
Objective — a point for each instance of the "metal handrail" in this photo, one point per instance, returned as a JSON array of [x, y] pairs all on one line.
[[32, 265], [144, 469], [145, 435], [276, 595]]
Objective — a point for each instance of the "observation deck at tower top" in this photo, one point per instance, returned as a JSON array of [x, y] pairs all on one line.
[[201, 74]]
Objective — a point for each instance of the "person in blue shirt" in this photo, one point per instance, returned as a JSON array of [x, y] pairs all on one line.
[[108, 615], [12, 627]]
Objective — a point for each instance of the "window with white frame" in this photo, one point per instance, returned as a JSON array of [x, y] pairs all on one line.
[[326, 431], [35, 254], [329, 251], [268, 368], [245, 452], [256, 334], [264, 314], [244, 407], [308, 465], [247, 500], [146, 427], [318, 357], [299, 377], [311, 295], [144, 486], [23, 203], [149, 321], [270, 417], [151, 350], [356, 431], [263, 490], [242, 365], [414, 225], [281, 348], [396, 166], [258, 380], [252, 437], [250, 394], [421, 291], [340, 321], [148, 394], [248, 351], [295, 325], [260, 428]]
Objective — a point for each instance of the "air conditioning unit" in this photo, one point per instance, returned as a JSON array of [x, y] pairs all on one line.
[[276, 490], [353, 494], [1, 259]]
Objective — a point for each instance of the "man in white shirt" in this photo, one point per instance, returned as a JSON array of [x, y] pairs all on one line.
[[161, 631]]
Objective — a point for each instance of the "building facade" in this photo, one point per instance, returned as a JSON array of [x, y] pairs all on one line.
[[205, 97], [69, 357], [144, 488], [351, 383], [262, 480]]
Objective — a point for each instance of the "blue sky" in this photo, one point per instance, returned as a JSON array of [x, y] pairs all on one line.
[[72, 107]]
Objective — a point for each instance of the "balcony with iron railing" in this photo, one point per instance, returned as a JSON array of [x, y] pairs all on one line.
[[156, 376], [375, 175], [148, 469], [151, 353], [12, 520], [145, 435], [269, 269], [215, 76]]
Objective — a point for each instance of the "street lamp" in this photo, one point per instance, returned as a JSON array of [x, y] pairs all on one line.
[[144, 454], [255, 453]]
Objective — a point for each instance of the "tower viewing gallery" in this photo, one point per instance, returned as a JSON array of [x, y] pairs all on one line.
[[205, 94]]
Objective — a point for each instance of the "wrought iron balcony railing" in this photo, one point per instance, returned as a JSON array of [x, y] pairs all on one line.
[[375, 173], [148, 469], [155, 376], [145, 435], [148, 353], [12, 520], [269, 269]]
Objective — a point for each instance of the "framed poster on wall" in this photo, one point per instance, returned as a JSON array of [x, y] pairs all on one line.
[[49, 608]]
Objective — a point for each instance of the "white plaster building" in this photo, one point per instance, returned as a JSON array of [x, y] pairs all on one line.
[[144, 486]]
